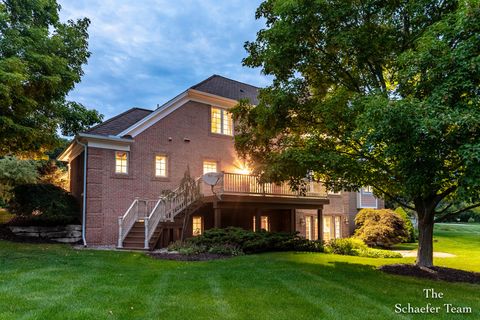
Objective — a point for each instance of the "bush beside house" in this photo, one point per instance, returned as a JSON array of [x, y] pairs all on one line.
[[43, 205], [380, 227], [236, 241]]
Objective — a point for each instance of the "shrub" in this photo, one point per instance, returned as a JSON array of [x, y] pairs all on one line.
[[43, 221], [377, 253], [356, 247], [44, 202], [226, 249], [187, 248], [345, 246], [408, 224], [380, 228], [252, 242]]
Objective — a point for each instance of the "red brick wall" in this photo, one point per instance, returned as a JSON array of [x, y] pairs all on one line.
[[109, 194]]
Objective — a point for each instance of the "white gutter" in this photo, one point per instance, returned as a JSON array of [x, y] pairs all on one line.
[[84, 203], [106, 138]]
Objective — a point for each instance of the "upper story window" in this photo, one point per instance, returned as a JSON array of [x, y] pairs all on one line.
[[367, 190], [121, 162], [221, 121], [209, 166], [160, 166]]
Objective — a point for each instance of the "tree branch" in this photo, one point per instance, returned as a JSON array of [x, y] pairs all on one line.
[[449, 214]]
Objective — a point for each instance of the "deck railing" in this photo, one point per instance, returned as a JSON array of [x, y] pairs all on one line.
[[167, 207], [235, 183]]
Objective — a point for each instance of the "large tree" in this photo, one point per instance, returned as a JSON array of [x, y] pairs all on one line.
[[41, 60], [370, 93]]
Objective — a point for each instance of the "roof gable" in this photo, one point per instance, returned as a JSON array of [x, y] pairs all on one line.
[[228, 88], [117, 124]]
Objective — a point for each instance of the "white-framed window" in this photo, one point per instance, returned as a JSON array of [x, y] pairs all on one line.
[[209, 166], [197, 225], [338, 228], [264, 223], [221, 121], [311, 227], [367, 190], [308, 228], [160, 166], [327, 228], [121, 162], [366, 199]]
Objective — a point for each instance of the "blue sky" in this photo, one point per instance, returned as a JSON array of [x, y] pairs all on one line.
[[146, 52]]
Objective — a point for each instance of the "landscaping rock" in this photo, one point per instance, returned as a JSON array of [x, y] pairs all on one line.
[[63, 234]]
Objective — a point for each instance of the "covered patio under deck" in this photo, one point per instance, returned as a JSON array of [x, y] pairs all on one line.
[[241, 201]]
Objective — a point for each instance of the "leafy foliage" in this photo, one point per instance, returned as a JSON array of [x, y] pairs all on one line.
[[41, 60], [356, 247], [380, 228], [14, 172], [378, 93], [50, 172], [235, 241], [44, 201], [408, 224]]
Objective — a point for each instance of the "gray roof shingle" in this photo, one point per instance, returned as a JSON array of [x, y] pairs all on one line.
[[228, 88], [117, 124]]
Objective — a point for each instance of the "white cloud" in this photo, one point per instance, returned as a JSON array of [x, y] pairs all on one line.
[[146, 52]]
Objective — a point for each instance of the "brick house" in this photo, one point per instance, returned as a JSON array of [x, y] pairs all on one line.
[[129, 162]]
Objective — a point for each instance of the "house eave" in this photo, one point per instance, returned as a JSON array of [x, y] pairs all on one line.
[[94, 141]]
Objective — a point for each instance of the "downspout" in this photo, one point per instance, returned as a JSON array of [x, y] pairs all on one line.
[[84, 200]]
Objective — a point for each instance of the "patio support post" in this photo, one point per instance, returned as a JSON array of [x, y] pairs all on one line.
[[320, 224], [217, 215], [293, 221], [258, 218]]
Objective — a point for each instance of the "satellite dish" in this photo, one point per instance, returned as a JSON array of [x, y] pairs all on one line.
[[211, 178]]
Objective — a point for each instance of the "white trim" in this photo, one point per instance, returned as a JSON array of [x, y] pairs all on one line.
[[71, 152], [109, 145], [160, 113], [174, 104], [359, 201]]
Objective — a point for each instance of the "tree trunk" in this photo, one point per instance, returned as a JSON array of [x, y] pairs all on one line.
[[425, 241]]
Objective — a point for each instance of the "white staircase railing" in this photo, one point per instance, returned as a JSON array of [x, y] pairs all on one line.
[[126, 222], [169, 206]]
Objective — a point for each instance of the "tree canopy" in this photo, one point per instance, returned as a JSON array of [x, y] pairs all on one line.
[[41, 60], [377, 93]]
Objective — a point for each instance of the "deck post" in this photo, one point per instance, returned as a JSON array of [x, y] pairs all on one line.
[[320, 224], [217, 215], [258, 220]]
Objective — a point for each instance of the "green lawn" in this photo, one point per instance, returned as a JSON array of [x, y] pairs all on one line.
[[57, 282]]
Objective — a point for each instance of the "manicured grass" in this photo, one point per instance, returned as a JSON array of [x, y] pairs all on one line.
[[57, 282]]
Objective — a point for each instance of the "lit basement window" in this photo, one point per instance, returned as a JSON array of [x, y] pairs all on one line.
[[197, 226]]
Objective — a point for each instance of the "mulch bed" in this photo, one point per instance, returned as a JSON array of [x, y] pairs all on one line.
[[434, 273], [191, 257]]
